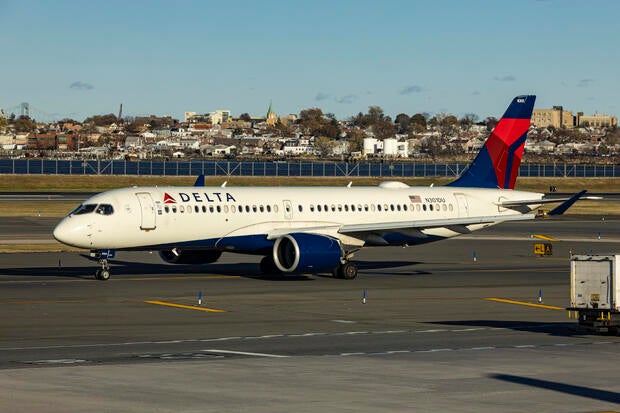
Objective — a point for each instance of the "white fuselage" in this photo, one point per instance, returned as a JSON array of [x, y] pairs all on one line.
[[247, 219]]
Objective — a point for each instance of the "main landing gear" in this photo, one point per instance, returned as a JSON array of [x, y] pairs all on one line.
[[346, 271]]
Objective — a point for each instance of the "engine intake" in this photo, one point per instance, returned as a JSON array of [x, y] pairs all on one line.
[[301, 252], [177, 256]]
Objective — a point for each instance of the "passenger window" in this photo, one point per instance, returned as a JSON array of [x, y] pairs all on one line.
[[254, 209], [325, 208], [247, 208], [275, 208], [424, 207], [233, 208], [366, 207], [174, 209], [379, 207], [430, 207], [204, 208], [450, 207], [261, 208], [418, 207], [300, 208], [437, 207], [398, 207], [189, 209], [311, 207], [211, 208], [318, 208], [444, 207], [226, 209], [268, 208], [166, 209], [181, 208], [372, 207], [385, 207], [218, 208], [346, 207], [333, 208], [196, 209]]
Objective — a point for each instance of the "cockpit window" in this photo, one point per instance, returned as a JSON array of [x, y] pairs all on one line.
[[105, 209], [83, 209]]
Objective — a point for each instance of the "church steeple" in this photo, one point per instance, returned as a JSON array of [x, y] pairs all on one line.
[[271, 118]]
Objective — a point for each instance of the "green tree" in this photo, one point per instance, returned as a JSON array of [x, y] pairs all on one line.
[[245, 117], [24, 124], [403, 122], [468, 120], [356, 140], [418, 123], [384, 129], [324, 146]]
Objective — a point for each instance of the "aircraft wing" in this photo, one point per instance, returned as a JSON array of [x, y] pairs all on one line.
[[432, 223]]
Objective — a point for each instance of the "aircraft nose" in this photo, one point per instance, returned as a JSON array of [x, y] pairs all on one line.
[[70, 234]]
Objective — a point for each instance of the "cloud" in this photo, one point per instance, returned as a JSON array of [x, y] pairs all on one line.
[[507, 78], [585, 82], [411, 89], [321, 96], [79, 85], [348, 99]]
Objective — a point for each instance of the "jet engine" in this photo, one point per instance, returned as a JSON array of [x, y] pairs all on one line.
[[177, 256], [301, 252]]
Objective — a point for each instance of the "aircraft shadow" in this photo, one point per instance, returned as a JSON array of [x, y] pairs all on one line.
[[563, 329], [589, 392], [124, 268]]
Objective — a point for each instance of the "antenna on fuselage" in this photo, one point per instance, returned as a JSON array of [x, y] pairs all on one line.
[[349, 184], [224, 184]]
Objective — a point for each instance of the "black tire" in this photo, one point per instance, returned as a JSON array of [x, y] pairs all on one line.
[[102, 275], [347, 271]]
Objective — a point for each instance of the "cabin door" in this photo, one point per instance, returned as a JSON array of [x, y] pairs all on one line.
[[463, 206], [147, 210]]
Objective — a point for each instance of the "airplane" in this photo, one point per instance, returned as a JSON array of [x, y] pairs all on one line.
[[310, 229]]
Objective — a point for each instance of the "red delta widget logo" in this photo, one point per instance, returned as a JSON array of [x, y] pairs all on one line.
[[200, 197]]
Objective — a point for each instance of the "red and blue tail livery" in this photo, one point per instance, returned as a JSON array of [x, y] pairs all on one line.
[[497, 164]]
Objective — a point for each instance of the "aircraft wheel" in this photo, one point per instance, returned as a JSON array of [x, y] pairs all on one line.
[[347, 271], [102, 274]]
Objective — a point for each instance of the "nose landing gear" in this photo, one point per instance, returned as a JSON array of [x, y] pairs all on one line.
[[102, 274]]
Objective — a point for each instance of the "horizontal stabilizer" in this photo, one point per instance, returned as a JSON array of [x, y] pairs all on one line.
[[560, 209]]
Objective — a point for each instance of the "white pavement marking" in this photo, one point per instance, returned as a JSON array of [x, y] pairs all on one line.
[[245, 353]]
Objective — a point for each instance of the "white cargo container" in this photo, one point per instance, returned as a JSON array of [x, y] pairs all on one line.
[[595, 291]]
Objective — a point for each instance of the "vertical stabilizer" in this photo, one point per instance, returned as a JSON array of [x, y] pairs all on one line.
[[497, 163]]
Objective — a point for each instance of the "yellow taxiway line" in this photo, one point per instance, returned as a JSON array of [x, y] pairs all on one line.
[[186, 307], [503, 300], [544, 237]]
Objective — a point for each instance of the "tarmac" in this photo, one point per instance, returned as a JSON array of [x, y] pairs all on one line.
[[472, 324]]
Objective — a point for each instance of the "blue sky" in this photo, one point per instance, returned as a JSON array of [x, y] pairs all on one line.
[[77, 58]]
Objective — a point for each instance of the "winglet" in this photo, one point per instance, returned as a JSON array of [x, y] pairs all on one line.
[[200, 181], [560, 209]]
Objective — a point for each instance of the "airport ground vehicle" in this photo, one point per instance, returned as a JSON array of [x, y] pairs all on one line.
[[595, 292]]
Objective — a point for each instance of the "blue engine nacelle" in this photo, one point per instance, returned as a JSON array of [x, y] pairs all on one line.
[[300, 252]]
